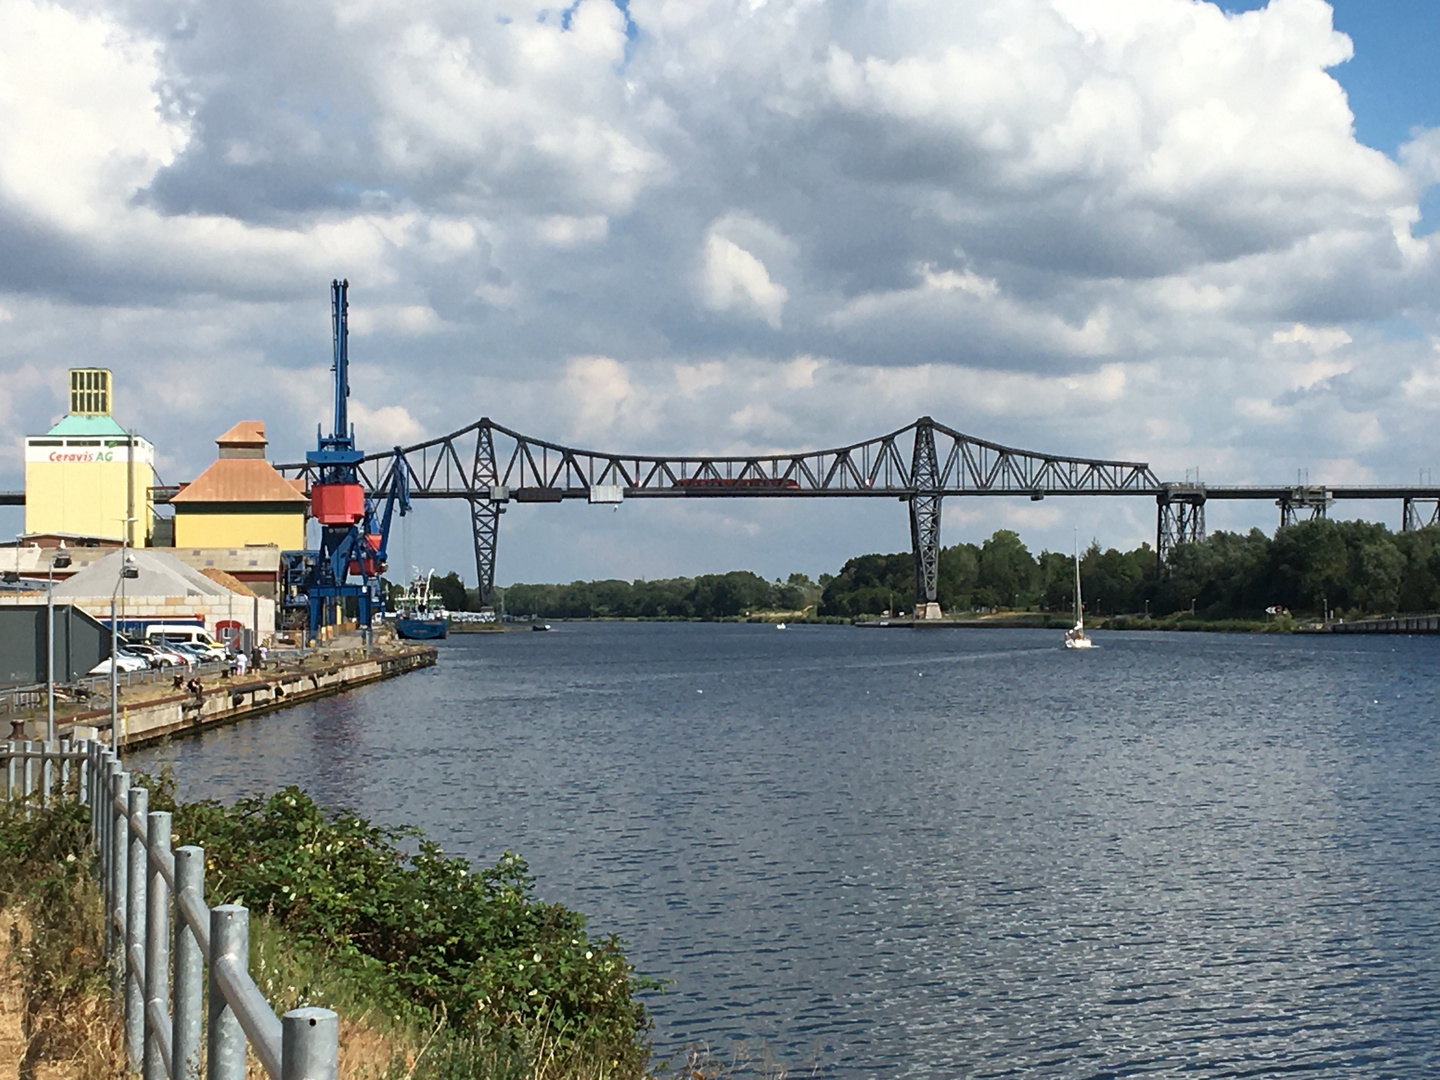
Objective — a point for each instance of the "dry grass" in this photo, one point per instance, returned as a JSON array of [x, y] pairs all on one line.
[[73, 1035]]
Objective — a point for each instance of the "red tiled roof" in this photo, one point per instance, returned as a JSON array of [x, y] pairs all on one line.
[[239, 480], [245, 433]]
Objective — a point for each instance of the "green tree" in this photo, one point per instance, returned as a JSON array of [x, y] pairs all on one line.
[[1420, 578], [959, 577], [1309, 566], [451, 591], [1056, 577], [1113, 582], [723, 596], [870, 584], [1007, 574]]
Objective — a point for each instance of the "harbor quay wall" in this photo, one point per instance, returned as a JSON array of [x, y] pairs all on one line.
[[1399, 624], [180, 713]]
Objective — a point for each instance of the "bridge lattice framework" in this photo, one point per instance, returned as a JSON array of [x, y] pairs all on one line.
[[489, 466]]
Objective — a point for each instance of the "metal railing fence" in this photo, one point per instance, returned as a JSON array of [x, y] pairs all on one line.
[[96, 688], [180, 968]]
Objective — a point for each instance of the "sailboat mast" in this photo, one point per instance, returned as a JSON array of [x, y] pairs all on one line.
[[1079, 609]]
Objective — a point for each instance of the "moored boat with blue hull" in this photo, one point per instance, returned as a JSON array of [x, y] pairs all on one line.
[[418, 619], [429, 629]]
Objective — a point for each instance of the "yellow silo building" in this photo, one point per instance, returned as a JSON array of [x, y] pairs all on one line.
[[87, 476], [240, 501]]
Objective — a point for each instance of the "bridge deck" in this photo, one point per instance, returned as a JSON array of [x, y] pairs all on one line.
[[1380, 492]]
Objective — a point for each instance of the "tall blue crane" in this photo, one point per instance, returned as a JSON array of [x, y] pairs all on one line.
[[354, 533]]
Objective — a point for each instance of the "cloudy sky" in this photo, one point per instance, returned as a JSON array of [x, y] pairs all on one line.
[[1162, 230]]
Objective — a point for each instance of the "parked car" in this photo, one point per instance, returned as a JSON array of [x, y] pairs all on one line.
[[198, 653], [155, 656], [177, 659], [124, 661]]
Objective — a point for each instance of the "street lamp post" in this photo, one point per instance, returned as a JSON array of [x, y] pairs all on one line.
[[60, 561], [127, 570]]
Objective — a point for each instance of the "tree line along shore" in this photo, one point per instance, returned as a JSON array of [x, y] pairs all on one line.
[[1345, 569]]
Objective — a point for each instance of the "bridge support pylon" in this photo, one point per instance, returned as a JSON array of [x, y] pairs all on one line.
[[487, 503], [1420, 514], [1303, 503], [1179, 518], [925, 520]]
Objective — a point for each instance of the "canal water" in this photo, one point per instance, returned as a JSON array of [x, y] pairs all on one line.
[[897, 853]]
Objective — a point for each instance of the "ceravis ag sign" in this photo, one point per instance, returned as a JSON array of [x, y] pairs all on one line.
[[78, 455], [84, 451]]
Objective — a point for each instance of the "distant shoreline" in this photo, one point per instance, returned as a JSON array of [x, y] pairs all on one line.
[[1009, 621]]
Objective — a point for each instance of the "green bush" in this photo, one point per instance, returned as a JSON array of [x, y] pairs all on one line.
[[474, 946]]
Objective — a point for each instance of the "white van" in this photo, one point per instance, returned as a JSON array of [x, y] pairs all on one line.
[[186, 632]]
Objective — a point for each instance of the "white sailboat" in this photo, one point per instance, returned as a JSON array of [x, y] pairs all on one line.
[[1075, 637]]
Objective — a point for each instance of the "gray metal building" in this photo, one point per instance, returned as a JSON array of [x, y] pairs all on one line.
[[80, 644]]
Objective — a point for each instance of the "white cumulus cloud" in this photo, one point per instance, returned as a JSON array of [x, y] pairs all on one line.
[[1131, 228]]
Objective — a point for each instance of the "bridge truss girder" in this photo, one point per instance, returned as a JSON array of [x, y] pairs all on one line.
[[541, 471], [489, 465]]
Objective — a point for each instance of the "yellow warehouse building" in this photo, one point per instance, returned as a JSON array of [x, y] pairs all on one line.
[[240, 500], [87, 475]]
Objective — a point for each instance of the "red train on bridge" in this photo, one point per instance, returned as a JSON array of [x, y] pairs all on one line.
[[747, 483]]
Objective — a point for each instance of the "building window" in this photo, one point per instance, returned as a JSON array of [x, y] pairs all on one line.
[[89, 392]]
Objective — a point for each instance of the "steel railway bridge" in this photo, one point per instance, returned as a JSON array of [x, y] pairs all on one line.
[[488, 466]]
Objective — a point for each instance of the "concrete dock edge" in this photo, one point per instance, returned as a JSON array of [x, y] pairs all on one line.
[[178, 713]]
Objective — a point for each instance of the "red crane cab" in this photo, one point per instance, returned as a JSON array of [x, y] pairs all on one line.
[[337, 504]]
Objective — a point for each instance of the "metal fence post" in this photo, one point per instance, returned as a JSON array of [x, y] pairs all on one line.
[[10, 768], [157, 950], [146, 885], [135, 927], [229, 937], [97, 824], [119, 867], [309, 1045], [87, 774], [189, 967], [104, 815], [27, 784]]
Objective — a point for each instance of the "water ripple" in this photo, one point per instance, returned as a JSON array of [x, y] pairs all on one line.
[[915, 854]]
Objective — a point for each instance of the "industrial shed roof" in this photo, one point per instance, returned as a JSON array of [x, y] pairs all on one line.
[[160, 574], [239, 480]]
